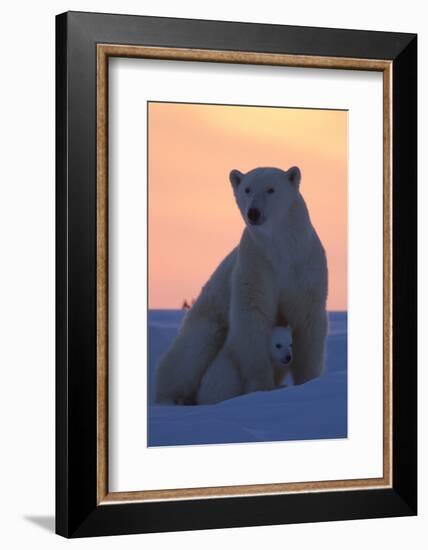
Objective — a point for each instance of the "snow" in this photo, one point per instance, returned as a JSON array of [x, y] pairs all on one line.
[[315, 410]]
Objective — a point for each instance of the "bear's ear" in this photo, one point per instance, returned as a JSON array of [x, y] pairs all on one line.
[[235, 177], [294, 176]]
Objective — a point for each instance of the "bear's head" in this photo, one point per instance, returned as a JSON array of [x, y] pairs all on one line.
[[281, 346], [265, 195]]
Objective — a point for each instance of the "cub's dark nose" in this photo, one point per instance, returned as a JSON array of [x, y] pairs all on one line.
[[253, 215], [287, 358]]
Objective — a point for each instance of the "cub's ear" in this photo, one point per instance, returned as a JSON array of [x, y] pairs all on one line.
[[235, 177], [294, 176]]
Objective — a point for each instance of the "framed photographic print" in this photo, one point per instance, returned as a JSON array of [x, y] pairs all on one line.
[[236, 274]]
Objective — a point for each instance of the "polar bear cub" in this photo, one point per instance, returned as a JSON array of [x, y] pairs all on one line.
[[281, 353], [222, 380]]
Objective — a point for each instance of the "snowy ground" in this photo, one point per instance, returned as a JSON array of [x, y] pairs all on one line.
[[315, 410]]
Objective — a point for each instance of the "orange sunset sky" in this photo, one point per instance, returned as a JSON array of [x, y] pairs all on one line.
[[193, 218]]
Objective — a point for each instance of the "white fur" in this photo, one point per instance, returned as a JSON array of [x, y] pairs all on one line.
[[222, 380], [281, 353], [276, 276]]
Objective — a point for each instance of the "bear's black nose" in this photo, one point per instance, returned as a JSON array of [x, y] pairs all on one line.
[[253, 215]]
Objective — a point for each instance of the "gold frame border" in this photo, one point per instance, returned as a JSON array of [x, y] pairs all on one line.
[[104, 51]]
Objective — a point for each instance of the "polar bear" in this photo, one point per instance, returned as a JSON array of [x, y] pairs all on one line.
[[222, 381], [281, 351], [277, 275]]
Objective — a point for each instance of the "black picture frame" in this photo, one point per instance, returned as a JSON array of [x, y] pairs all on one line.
[[78, 513]]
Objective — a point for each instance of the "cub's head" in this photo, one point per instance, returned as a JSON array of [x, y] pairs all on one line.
[[265, 195], [281, 346]]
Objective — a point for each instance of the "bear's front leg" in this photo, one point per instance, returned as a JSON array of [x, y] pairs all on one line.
[[252, 318], [309, 339], [249, 348], [220, 382]]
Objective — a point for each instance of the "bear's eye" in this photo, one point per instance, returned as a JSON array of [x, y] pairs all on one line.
[[279, 346], [247, 189], [271, 190]]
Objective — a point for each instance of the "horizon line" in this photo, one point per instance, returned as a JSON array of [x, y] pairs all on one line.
[[185, 309]]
